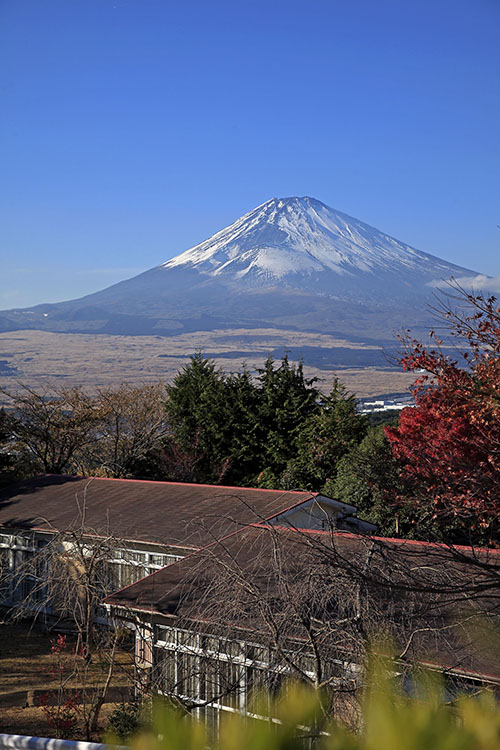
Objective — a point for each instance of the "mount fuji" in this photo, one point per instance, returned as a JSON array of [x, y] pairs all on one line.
[[291, 263]]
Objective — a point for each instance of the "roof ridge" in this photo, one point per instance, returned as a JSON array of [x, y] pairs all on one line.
[[181, 484], [396, 540]]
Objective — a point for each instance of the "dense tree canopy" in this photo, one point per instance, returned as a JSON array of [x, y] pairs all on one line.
[[285, 402], [368, 477], [328, 434], [211, 420], [275, 430], [449, 445], [233, 428]]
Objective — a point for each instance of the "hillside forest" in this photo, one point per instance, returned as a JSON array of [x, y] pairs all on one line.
[[432, 475]]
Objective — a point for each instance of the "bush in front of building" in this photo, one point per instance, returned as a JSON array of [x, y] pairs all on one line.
[[391, 720]]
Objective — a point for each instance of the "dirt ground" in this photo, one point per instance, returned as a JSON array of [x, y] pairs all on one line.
[[25, 670], [32, 722]]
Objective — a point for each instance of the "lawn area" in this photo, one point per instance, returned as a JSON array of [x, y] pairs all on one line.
[[26, 664]]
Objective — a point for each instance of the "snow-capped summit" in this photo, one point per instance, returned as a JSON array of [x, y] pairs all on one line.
[[286, 236], [291, 263]]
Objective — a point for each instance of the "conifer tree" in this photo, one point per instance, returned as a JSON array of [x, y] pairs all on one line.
[[368, 478], [199, 419], [242, 426], [330, 432], [233, 428], [286, 400]]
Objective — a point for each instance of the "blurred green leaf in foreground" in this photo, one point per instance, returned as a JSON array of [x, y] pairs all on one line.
[[390, 721]]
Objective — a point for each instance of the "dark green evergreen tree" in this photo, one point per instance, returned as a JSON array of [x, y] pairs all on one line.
[[272, 431], [330, 432], [286, 400], [368, 477], [197, 414], [231, 428], [242, 398]]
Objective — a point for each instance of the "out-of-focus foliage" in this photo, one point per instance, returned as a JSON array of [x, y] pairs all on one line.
[[391, 720], [126, 720]]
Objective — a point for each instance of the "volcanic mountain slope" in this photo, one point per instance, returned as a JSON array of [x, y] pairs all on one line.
[[289, 263]]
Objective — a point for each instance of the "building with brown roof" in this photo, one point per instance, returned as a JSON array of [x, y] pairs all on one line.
[[231, 589], [152, 523], [269, 602]]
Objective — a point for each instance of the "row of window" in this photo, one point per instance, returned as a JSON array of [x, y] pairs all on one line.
[[17, 552], [230, 674], [225, 684], [21, 571], [128, 566], [243, 652]]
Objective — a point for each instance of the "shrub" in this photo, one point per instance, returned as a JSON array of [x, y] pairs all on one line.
[[391, 721], [126, 720]]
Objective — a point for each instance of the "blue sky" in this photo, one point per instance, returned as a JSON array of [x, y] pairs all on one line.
[[133, 129]]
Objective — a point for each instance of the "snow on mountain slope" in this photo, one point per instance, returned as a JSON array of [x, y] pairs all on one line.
[[287, 236], [291, 263]]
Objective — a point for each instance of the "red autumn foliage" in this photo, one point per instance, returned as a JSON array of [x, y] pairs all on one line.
[[449, 445], [60, 706], [62, 717]]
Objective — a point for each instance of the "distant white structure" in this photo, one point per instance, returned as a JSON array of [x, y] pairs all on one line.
[[392, 402]]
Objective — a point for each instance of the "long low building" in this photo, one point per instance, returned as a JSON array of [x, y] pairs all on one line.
[[270, 602], [152, 523], [230, 590]]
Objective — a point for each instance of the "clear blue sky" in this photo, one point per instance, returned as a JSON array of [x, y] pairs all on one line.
[[133, 129]]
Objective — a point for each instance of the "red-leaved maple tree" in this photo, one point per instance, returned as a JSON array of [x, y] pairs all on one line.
[[448, 446]]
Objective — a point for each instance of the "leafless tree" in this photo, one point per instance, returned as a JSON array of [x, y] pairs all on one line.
[[53, 425], [61, 581], [66, 430], [131, 427], [268, 605], [255, 613]]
